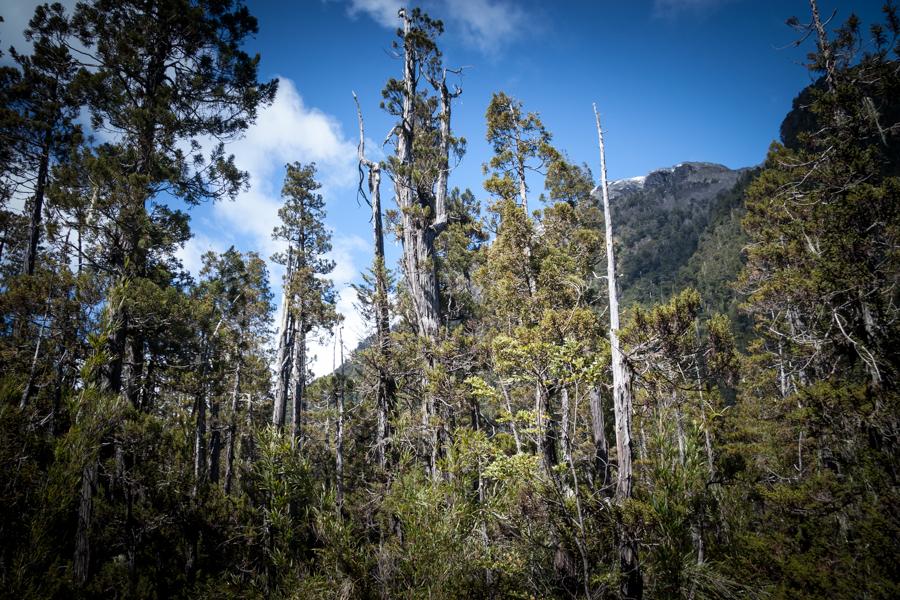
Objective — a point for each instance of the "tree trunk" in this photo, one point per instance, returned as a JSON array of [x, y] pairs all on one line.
[[81, 563], [632, 582], [598, 432], [386, 387], [512, 417], [298, 378], [523, 196], [339, 436], [564, 424], [418, 235], [215, 438], [32, 373], [824, 45], [232, 427], [37, 207], [546, 435], [282, 359], [200, 403], [422, 217], [199, 438]]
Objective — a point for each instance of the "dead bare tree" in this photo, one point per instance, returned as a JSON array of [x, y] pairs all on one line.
[[386, 387], [632, 584]]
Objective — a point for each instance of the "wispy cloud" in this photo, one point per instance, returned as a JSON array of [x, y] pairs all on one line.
[[488, 25], [384, 12], [671, 9]]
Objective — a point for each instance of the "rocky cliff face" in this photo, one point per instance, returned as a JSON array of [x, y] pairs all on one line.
[[664, 219]]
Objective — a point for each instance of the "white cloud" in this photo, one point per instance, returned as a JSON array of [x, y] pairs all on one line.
[[485, 24], [383, 11], [488, 24]]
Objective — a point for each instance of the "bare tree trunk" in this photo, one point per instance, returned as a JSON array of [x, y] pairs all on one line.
[[201, 468], [564, 424], [232, 427], [282, 359], [29, 385], [632, 581], [37, 207], [298, 378], [200, 437], [707, 436], [824, 46], [386, 388], [339, 436], [598, 431]]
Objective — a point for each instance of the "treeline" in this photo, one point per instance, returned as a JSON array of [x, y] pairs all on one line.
[[508, 430]]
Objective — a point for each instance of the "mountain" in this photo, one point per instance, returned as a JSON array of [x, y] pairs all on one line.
[[678, 227]]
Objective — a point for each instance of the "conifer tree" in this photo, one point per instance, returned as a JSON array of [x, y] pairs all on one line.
[[311, 297], [521, 145], [46, 107], [162, 75], [238, 290]]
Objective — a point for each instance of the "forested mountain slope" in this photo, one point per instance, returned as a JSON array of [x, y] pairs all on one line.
[[665, 223]]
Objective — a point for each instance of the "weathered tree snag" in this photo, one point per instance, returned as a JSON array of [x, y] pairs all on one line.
[[823, 45], [339, 436], [598, 432], [282, 359], [632, 583], [386, 388], [565, 407]]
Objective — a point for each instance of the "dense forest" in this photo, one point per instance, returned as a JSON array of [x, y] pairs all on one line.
[[679, 387]]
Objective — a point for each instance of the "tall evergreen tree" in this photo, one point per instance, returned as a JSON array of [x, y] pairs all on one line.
[[42, 106], [163, 74], [310, 296]]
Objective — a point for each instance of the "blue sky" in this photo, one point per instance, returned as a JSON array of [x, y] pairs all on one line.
[[675, 81]]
